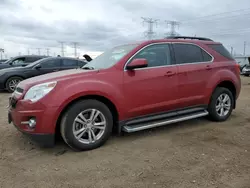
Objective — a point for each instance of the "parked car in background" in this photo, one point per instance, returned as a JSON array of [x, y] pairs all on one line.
[[10, 77], [20, 61], [246, 70], [128, 88], [3, 60]]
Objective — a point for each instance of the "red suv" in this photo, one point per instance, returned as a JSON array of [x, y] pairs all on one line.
[[126, 89]]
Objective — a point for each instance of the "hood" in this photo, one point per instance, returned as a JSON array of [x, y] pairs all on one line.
[[56, 76]]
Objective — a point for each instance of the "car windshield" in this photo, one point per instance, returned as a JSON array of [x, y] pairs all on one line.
[[109, 57]]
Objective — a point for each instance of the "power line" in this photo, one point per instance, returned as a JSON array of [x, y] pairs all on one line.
[[173, 25], [217, 14], [150, 32]]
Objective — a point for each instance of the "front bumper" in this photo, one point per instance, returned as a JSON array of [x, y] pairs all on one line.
[[43, 133]]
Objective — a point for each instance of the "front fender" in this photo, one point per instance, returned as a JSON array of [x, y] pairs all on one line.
[[83, 88]]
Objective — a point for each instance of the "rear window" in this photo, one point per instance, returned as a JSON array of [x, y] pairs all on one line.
[[221, 50]]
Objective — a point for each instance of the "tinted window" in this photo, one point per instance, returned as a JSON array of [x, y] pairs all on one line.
[[32, 59], [51, 63], [187, 53], [69, 63], [221, 50], [156, 55], [206, 56]]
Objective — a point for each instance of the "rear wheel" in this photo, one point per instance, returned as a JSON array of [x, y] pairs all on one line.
[[221, 104], [12, 82], [86, 125]]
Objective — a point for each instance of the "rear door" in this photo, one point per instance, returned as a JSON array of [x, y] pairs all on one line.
[[69, 64], [194, 70]]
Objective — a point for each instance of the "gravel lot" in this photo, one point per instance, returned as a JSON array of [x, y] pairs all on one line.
[[196, 153]]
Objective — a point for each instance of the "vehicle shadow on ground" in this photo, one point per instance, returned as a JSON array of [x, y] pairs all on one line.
[[61, 148]]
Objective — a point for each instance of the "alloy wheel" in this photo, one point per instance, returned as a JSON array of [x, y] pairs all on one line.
[[89, 126], [223, 105]]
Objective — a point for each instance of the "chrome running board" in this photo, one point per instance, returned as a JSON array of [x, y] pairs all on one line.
[[148, 125]]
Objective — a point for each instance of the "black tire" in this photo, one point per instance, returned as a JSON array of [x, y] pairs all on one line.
[[8, 83], [66, 127], [213, 114]]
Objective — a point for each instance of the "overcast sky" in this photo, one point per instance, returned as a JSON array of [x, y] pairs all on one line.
[[100, 24]]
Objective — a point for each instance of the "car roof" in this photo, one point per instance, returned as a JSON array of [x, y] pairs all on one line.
[[30, 56], [181, 39], [47, 58]]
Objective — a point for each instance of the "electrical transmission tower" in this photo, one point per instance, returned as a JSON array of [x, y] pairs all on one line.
[[1, 52], [173, 25], [151, 22], [38, 50], [62, 48], [47, 50], [75, 47]]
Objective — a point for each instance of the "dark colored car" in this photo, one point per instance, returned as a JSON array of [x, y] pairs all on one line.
[[128, 88], [3, 60], [10, 77], [20, 61]]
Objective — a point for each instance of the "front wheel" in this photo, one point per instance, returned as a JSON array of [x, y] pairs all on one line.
[[221, 104], [12, 82], [86, 125]]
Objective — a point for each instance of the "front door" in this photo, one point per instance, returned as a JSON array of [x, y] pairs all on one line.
[[152, 89], [194, 70], [48, 66]]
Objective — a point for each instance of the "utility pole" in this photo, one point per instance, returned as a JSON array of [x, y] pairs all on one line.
[[232, 49], [47, 49], [173, 25], [62, 48], [75, 47], [245, 44], [1, 52], [28, 51], [38, 51], [150, 32]]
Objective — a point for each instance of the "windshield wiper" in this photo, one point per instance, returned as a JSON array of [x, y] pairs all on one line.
[[88, 68]]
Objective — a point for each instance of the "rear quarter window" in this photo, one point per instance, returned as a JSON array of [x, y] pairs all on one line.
[[219, 48]]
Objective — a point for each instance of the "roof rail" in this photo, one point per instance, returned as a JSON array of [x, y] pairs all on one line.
[[186, 37]]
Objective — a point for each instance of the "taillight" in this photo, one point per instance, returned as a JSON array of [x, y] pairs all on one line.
[[237, 67]]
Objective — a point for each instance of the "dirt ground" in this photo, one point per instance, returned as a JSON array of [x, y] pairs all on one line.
[[196, 153]]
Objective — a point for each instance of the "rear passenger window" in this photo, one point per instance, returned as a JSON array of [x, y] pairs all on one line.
[[156, 55], [189, 53], [69, 63], [219, 48]]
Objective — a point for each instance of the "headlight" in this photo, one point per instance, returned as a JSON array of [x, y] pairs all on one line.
[[39, 91]]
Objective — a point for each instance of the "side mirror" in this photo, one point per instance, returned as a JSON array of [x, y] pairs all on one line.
[[38, 67], [137, 63], [11, 63]]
